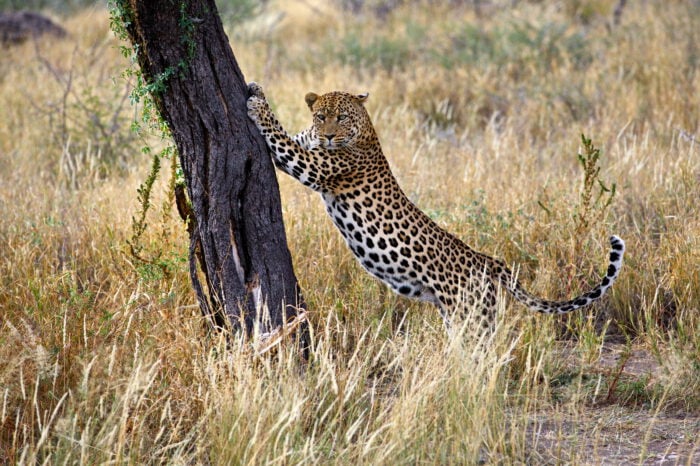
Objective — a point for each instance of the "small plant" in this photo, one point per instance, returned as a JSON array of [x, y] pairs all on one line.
[[138, 223], [637, 391], [591, 209]]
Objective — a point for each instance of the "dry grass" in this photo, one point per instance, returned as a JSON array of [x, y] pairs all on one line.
[[105, 359]]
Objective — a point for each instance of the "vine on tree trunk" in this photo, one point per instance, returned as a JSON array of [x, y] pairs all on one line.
[[144, 93]]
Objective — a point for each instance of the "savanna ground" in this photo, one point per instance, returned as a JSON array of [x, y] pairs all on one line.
[[480, 108]]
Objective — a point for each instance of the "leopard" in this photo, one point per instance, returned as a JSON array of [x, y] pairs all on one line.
[[340, 157]]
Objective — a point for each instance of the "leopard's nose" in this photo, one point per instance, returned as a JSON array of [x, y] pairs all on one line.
[[330, 136]]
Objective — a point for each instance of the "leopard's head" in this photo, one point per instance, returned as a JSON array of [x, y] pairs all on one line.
[[340, 118]]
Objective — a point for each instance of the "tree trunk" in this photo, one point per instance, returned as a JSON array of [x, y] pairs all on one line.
[[237, 237]]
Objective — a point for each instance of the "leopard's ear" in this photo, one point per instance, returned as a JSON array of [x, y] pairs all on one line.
[[362, 98], [310, 98]]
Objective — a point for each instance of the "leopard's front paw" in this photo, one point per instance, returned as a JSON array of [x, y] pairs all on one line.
[[256, 107], [254, 89]]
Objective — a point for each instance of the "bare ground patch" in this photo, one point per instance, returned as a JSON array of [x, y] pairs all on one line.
[[614, 435], [610, 426]]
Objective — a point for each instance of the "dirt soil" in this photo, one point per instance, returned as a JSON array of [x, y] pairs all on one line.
[[615, 435], [611, 433]]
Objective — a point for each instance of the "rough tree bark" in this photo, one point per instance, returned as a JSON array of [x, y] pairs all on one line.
[[237, 237]]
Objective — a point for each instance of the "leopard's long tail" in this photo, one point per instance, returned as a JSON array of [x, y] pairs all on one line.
[[617, 251]]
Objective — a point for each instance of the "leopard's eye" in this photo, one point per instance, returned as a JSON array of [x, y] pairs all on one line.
[[342, 116], [321, 117]]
